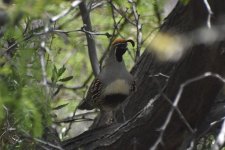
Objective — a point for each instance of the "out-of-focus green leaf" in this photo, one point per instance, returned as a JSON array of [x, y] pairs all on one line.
[[21, 78], [66, 79], [54, 74], [60, 106], [61, 71]]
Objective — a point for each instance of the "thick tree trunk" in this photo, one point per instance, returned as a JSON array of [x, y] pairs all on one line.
[[144, 113]]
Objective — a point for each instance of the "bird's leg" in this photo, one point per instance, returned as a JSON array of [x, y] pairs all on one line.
[[105, 117], [110, 117], [114, 117]]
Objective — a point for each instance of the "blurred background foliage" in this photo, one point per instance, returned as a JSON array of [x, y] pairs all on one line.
[[44, 64]]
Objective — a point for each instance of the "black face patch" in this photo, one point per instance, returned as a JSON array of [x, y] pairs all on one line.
[[120, 50]]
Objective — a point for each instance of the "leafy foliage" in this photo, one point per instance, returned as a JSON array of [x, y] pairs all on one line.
[[41, 60]]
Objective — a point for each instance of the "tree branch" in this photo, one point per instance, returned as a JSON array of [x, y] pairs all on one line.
[[191, 102], [65, 12], [138, 28], [91, 43]]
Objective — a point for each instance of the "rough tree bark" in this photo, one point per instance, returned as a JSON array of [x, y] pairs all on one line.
[[141, 116]]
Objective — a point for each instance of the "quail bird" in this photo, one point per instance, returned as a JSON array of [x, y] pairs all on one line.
[[113, 84]]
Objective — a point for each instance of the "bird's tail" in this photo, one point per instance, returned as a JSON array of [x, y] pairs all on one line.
[[84, 105]]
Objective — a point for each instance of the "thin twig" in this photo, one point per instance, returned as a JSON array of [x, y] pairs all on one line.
[[131, 56], [211, 126], [159, 75], [149, 35], [114, 33], [210, 13], [48, 144], [77, 117], [52, 30], [74, 112], [27, 135], [170, 102], [138, 28], [123, 14], [9, 49], [78, 14], [94, 33], [70, 123], [176, 101], [220, 138], [180, 115], [76, 87], [43, 65], [67, 11]]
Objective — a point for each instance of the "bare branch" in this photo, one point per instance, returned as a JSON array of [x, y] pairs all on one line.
[[80, 117], [65, 12], [43, 65], [176, 101], [13, 46], [139, 29], [74, 112], [8, 127], [123, 14], [92, 7], [220, 140], [51, 145], [94, 33], [76, 87], [48, 144], [210, 13], [52, 30], [180, 115], [90, 40]]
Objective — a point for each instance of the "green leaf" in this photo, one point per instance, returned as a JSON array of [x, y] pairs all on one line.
[[60, 106], [66, 79], [57, 90], [54, 74], [61, 71]]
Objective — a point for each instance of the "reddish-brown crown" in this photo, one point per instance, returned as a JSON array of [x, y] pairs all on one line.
[[119, 40]]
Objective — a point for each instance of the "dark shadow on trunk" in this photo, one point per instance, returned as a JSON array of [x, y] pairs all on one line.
[[146, 110]]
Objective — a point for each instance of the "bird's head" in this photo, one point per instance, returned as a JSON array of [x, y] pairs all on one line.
[[119, 47]]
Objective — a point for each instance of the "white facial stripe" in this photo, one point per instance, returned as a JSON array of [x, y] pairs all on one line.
[[115, 51], [117, 87]]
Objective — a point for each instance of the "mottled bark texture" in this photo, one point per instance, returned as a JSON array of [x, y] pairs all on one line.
[[139, 126]]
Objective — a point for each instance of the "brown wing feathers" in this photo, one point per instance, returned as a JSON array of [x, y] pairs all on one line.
[[96, 90], [93, 95]]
